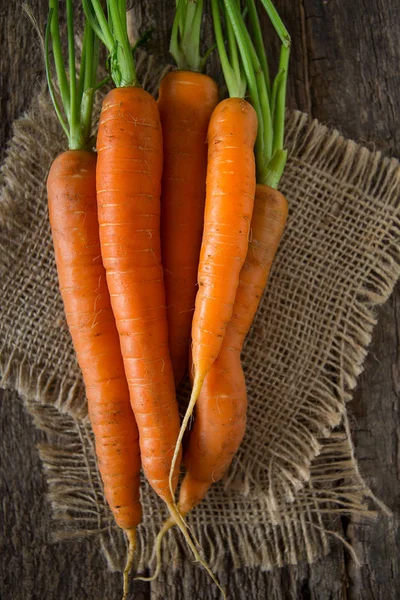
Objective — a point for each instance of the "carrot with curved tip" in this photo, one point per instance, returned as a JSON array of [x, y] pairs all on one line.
[[221, 409], [230, 189], [71, 189], [187, 99]]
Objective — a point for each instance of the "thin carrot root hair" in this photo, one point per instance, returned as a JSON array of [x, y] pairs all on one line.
[[160, 536], [131, 535], [179, 521], [197, 385]]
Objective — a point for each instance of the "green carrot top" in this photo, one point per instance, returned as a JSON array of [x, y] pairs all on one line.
[[76, 90], [185, 36], [111, 28], [268, 100]]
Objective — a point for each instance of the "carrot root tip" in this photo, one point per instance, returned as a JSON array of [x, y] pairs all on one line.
[[197, 385], [131, 535], [165, 528], [180, 522]]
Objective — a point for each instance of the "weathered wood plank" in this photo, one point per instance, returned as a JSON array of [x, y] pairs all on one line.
[[344, 72]]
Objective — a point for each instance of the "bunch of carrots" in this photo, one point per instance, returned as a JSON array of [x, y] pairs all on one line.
[[164, 237]]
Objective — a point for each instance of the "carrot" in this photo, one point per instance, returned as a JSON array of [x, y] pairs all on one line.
[[71, 189], [230, 190], [186, 101], [221, 408], [128, 180]]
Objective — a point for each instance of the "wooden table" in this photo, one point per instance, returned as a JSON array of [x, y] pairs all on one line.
[[344, 71]]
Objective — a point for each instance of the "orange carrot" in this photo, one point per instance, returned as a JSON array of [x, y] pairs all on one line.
[[221, 408], [128, 180], [71, 188], [129, 166], [186, 101], [229, 205]]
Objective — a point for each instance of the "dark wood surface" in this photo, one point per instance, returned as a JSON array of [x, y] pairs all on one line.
[[345, 72]]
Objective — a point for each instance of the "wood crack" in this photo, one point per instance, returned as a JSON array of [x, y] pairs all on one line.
[[306, 59]]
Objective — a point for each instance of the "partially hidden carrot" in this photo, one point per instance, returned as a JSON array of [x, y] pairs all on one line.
[[186, 101], [221, 408], [220, 420], [71, 189], [230, 189]]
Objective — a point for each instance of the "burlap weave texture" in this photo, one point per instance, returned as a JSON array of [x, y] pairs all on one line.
[[339, 258]]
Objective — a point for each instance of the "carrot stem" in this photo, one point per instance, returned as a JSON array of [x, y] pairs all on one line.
[[232, 46], [268, 103], [257, 91], [75, 129], [58, 55], [123, 54], [258, 41], [185, 36], [90, 87], [83, 66], [48, 74], [76, 92], [277, 23], [234, 81], [279, 109], [98, 20], [112, 31]]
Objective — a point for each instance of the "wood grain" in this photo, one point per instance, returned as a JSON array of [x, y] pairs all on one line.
[[344, 71]]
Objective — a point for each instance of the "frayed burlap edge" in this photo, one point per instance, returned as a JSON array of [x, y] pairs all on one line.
[[298, 531]]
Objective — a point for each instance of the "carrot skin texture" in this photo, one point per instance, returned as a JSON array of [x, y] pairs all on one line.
[[129, 169], [71, 188], [186, 102], [220, 420], [230, 193]]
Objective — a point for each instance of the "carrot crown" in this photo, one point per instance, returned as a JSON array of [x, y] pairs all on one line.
[[185, 36], [111, 28], [268, 99], [76, 91]]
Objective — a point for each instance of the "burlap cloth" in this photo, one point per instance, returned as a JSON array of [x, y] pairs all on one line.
[[338, 260]]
